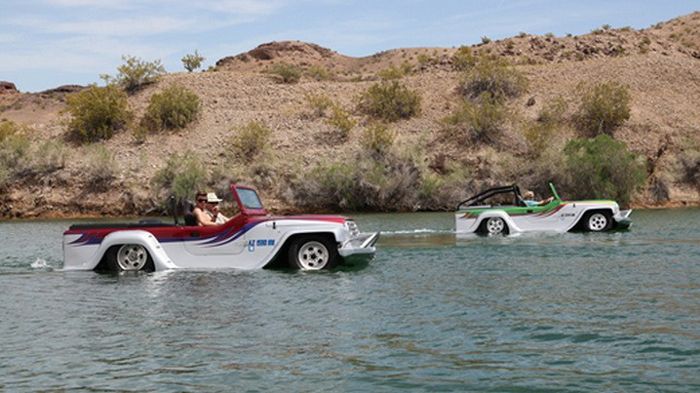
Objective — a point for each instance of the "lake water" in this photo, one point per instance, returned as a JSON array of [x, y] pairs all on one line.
[[570, 312]]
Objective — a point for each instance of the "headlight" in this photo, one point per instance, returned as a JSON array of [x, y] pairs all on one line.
[[352, 227]]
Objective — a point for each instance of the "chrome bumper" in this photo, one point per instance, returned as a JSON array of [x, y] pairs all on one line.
[[360, 244], [622, 219]]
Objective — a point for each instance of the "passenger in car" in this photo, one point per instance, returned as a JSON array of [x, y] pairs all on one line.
[[213, 209], [200, 210], [529, 199]]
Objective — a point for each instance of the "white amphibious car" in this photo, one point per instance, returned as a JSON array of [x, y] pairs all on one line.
[[252, 239], [502, 210]]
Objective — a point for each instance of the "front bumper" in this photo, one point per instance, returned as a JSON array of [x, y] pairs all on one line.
[[362, 244], [622, 218]]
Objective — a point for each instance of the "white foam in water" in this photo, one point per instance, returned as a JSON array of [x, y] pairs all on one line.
[[416, 231], [40, 264]]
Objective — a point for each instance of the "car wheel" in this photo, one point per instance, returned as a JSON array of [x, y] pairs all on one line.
[[132, 257], [598, 221], [496, 226], [312, 253]]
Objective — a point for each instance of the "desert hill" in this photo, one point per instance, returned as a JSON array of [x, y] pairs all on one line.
[[660, 64]]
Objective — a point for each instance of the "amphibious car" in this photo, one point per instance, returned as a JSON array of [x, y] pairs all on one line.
[[502, 210], [251, 239]]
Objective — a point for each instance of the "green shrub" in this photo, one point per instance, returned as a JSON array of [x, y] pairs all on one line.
[[14, 149], [495, 76], [690, 166], [602, 167], [463, 59], [173, 108], [181, 176], [319, 104], [100, 169], [480, 121], [389, 184], [377, 138], [250, 140], [192, 61], [539, 134], [341, 121], [50, 156], [319, 73], [97, 113], [604, 107], [485, 40], [394, 72], [390, 101], [136, 73], [286, 73], [9, 129]]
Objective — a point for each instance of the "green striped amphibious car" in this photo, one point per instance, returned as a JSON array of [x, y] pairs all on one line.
[[502, 210]]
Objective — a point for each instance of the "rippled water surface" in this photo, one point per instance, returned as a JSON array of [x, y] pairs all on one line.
[[571, 312]]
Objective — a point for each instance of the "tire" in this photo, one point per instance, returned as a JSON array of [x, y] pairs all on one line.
[[312, 253], [495, 226], [132, 258], [597, 221]]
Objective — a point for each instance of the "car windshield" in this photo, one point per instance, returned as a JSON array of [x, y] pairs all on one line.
[[249, 198]]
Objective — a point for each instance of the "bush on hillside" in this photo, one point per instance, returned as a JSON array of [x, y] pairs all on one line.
[[100, 168], [50, 156], [539, 134], [492, 75], [319, 104], [136, 73], [319, 73], [341, 121], [250, 140], [97, 113], [14, 148], [181, 176], [192, 61], [463, 59], [604, 107], [390, 101], [480, 121], [394, 72], [286, 73], [377, 139], [173, 108], [602, 167]]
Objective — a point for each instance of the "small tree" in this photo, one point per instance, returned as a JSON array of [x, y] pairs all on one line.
[[192, 61], [604, 107], [97, 113], [390, 101], [135, 73], [173, 108], [602, 168]]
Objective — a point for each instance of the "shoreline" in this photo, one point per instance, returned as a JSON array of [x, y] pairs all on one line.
[[97, 216]]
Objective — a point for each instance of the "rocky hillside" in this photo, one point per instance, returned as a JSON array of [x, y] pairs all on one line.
[[660, 64]]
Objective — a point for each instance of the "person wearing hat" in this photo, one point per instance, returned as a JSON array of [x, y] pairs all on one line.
[[213, 209], [200, 211]]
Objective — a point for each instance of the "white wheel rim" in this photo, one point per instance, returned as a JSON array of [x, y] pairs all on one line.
[[132, 257], [313, 255], [495, 225], [597, 222]]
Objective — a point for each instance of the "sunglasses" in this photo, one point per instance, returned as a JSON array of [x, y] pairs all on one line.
[[201, 200]]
